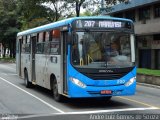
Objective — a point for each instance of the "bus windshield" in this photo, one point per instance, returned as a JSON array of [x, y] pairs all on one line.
[[102, 50]]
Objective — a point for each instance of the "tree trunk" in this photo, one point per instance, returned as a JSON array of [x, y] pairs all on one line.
[[14, 49], [10, 48], [4, 52]]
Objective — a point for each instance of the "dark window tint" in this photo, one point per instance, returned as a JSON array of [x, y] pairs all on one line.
[[144, 13], [120, 15], [40, 48], [157, 11], [130, 15]]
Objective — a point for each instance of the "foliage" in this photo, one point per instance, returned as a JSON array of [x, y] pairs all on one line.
[[88, 5], [110, 3], [16, 15], [38, 12], [7, 59], [9, 25], [113, 2], [148, 71], [33, 13], [88, 13], [60, 8]]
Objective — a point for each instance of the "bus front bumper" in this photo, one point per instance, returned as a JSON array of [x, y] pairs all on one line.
[[75, 91]]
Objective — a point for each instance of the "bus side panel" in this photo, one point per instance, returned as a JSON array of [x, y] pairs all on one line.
[[25, 64], [53, 66], [40, 61], [46, 65]]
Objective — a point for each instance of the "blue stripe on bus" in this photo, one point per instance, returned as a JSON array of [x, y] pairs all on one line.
[[95, 86]]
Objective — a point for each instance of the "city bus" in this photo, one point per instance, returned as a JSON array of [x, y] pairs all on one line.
[[80, 57]]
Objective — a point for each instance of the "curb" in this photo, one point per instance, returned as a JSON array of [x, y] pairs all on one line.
[[148, 85]]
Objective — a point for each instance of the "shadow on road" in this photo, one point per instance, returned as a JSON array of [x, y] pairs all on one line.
[[80, 103]]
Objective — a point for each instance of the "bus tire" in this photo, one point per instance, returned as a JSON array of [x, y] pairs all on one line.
[[26, 80], [57, 97]]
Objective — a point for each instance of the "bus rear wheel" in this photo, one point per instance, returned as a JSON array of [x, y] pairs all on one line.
[[26, 80], [56, 95]]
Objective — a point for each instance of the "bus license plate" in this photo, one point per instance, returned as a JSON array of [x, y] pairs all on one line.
[[106, 92]]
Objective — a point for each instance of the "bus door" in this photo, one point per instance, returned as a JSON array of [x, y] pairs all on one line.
[[64, 60], [33, 51]]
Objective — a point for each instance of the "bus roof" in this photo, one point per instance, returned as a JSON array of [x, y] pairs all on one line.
[[66, 22]]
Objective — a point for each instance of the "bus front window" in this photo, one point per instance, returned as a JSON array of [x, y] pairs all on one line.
[[102, 50]]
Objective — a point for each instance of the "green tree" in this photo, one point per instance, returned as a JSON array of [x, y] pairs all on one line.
[[85, 4], [113, 2], [33, 13], [60, 9], [9, 25], [91, 5]]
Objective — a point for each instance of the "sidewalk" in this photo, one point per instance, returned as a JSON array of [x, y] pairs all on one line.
[[148, 85]]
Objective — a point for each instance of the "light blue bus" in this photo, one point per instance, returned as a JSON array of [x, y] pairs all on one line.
[[80, 57]]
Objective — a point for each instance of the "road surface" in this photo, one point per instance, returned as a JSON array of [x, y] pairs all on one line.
[[19, 102]]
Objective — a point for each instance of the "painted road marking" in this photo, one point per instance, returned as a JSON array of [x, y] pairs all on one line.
[[142, 103], [151, 107], [49, 105], [8, 74], [108, 111], [90, 112]]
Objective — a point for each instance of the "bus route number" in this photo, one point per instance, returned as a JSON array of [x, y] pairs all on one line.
[[120, 81], [89, 23]]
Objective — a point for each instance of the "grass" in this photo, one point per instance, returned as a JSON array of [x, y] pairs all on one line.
[[148, 71], [7, 59]]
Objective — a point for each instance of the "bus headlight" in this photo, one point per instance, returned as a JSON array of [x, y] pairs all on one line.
[[131, 81], [77, 82]]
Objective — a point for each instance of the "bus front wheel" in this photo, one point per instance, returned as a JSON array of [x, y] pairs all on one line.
[[26, 80], [56, 95]]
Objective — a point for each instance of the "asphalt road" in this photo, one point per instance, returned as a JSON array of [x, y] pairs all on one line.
[[19, 102]]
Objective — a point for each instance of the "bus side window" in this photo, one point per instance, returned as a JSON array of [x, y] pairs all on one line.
[[46, 48], [23, 44], [27, 45], [46, 42], [54, 48], [47, 36], [40, 48], [40, 43], [55, 41]]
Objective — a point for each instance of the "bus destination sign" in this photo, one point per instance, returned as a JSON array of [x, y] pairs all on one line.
[[101, 24]]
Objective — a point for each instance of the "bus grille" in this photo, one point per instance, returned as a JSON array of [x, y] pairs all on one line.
[[104, 76]]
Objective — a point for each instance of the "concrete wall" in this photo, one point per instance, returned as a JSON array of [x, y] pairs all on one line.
[[155, 80]]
